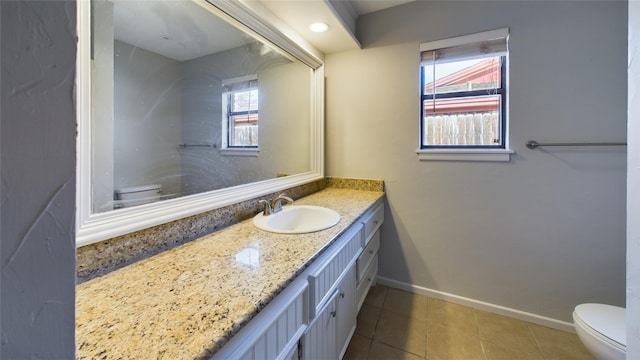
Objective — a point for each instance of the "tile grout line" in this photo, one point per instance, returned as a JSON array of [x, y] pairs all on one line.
[[375, 327], [475, 320], [395, 313], [486, 351], [535, 339], [369, 349], [426, 333]]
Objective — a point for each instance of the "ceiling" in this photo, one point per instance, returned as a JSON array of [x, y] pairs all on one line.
[[340, 15], [368, 6], [179, 29]]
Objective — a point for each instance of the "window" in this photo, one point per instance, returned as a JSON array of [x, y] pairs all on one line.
[[464, 95], [240, 113]]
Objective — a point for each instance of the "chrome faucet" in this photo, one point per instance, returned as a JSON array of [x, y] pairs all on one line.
[[275, 205]]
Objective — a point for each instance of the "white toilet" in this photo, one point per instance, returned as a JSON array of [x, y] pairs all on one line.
[[602, 330], [138, 195]]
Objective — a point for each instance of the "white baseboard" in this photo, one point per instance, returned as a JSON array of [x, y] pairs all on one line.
[[480, 305]]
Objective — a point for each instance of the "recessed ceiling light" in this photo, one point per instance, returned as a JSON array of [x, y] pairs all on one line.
[[319, 27]]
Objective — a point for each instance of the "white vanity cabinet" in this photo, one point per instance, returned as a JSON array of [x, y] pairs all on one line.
[[351, 286], [327, 271], [329, 333], [314, 318], [319, 341], [367, 263], [274, 333], [332, 298], [346, 310]]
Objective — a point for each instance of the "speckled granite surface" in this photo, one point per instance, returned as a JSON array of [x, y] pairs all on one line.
[[355, 184], [185, 303], [103, 257], [100, 258]]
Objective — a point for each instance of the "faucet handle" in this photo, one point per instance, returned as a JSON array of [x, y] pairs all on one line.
[[267, 207], [285, 198]]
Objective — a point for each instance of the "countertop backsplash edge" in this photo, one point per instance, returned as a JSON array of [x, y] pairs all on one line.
[[103, 257]]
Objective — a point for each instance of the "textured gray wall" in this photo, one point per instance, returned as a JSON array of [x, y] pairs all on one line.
[[284, 109], [146, 122], [37, 197], [633, 186], [541, 233]]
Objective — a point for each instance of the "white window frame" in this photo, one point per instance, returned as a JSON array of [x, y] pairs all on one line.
[[469, 154], [225, 150]]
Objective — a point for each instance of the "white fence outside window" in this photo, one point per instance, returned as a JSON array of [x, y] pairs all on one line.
[[245, 135], [480, 128]]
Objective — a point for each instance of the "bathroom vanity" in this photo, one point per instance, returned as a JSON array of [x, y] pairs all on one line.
[[240, 292]]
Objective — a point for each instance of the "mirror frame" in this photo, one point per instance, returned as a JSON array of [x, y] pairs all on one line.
[[95, 227]]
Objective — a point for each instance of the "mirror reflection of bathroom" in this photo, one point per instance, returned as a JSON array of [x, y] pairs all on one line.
[[186, 103]]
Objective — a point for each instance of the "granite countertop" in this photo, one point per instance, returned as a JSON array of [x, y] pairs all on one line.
[[187, 302]]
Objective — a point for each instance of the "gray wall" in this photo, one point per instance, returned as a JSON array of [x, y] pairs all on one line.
[[160, 103], [102, 106], [633, 179], [204, 169], [146, 123], [284, 89], [541, 233], [37, 197], [576, 247]]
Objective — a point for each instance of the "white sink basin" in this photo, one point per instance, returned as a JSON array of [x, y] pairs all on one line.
[[297, 219]]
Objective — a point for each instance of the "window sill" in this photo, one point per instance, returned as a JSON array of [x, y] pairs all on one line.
[[503, 155], [240, 152]]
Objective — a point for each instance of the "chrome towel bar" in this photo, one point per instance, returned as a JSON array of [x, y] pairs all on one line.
[[532, 144], [184, 146]]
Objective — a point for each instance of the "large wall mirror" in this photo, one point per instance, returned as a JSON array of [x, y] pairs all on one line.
[[186, 106]]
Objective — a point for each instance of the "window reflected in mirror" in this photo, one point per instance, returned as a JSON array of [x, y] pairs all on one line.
[[184, 103], [240, 117]]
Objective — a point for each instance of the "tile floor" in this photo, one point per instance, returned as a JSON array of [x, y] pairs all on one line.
[[394, 324]]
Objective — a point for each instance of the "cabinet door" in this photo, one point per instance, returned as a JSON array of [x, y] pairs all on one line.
[[327, 271], [293, 354], [346, 311], [275, 331], [320, 337]]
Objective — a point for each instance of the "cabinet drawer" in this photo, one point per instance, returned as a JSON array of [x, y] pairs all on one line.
[[323, 278], [367, 280], [367, 255], [372, 221]]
